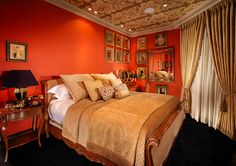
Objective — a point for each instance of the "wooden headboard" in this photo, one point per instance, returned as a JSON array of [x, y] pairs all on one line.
[[48, 84]]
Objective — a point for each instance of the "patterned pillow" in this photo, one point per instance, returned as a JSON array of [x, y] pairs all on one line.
[[106, 92]]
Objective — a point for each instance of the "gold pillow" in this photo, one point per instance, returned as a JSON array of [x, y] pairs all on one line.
[[75, 85], [92, 88], [109, 76]]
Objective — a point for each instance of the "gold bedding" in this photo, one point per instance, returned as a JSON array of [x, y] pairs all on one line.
[[117, 129]]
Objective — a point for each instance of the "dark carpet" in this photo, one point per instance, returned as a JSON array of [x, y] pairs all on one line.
[[196, 145]]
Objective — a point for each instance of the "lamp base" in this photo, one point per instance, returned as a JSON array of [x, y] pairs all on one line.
[[20, 94]]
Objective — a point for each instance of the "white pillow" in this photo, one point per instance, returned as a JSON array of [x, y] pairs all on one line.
[[115, 82], [60, 92]]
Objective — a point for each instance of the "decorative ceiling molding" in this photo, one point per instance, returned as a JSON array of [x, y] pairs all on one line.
[[173, 24]]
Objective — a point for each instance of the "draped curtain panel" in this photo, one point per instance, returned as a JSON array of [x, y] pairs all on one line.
[[220, 25], [191, 41], [206, 91]]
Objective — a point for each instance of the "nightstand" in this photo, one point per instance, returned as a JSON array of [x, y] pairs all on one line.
[[24, 137], [134, 88]]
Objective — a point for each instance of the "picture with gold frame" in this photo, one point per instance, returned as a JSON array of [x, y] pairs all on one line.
[[141, 57], [161, 89], [126, 56], [119, 41], [141, 43], [16, 51], [126, 44], [109, 37], [160, 40], [118, 55], [141, 72], [109, 54]]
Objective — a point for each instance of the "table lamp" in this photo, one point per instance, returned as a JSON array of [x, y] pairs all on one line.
[[20, 80]]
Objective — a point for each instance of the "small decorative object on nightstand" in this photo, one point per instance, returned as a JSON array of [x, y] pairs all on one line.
[[10, 115]]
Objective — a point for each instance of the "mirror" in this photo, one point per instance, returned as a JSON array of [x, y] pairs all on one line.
[[127, 77], [161, 65]]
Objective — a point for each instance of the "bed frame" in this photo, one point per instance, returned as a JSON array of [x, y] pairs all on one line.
[[161, 139]]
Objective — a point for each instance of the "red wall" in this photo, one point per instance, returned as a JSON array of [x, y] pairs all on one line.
[[59, 42], [173, 40]]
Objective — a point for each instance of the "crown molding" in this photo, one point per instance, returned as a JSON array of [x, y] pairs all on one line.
[[175, 25]]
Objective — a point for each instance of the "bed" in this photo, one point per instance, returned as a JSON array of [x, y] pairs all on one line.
[[104, 131]]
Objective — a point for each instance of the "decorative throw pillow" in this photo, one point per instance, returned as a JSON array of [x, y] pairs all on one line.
[[121, 87], [60, 92], [116, 82], [106, 92], [121, 94], [75, 85], [92, 88], [109, 76]]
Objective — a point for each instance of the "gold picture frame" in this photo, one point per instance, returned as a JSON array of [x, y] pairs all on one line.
[[142, 73], [126, 43], [141, 57], [161, 89], [16, 51], [160, 40], [126, 56], [119, 41], [109, 54], [118, 55], [142, 43], [109, 37]]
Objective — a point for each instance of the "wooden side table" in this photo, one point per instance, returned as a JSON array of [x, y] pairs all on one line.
[[23, 137]]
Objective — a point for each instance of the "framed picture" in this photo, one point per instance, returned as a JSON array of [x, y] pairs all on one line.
[[119, 41], [17, 51], [141, 72], [160, 40], [109, 37], [109, 54], [141, 43], [141, 57], [118, 55], [126, 44], [126, 57], [161, 89]]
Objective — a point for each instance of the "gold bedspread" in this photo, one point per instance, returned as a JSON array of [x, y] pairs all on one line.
[[117, 129]]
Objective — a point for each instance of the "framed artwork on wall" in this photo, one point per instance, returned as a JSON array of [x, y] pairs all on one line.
[[109, 37], [141, 72], [126, 57], [160, 40], [16, 51], [109, 54], [119, 41], [161, 89], [141, 43], [126, 44], [141, 57], [118, 55]]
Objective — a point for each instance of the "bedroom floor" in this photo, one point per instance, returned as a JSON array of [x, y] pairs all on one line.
[[196, 145]]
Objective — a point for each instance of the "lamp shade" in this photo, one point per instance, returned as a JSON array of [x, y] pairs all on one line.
[[19, 79]]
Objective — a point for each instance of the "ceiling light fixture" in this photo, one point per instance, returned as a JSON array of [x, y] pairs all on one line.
[[95, 12], [149, 10], [90, 9], [165, 5], [122, 26], [130, 30]]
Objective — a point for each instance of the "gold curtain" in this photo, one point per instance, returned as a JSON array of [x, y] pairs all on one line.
[[191, 42], [220, 24]]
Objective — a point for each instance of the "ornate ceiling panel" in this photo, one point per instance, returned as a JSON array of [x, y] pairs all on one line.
[[130, 13]]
